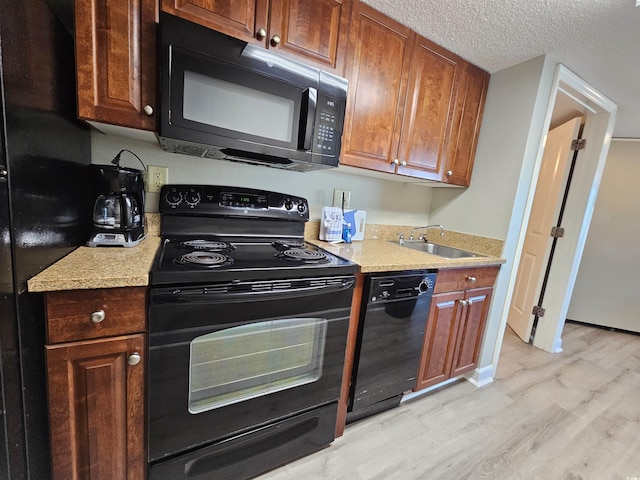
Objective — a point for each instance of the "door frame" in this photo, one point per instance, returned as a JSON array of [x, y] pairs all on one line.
[[600, 114]]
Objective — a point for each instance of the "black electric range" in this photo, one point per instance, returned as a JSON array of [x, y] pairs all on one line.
[[222, 233]]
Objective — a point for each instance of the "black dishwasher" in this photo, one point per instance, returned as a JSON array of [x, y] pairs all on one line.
[[393, 319]]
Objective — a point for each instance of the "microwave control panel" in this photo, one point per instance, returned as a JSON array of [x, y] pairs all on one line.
[[328, 130]]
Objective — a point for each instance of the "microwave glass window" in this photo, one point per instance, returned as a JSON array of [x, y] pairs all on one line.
[[238, 108], [253, 360]]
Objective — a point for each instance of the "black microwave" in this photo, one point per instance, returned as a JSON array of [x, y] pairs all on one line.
[[224, 98]]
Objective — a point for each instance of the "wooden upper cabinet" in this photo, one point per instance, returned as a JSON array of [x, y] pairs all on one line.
[[377, 69], [116, 61], [236, 18], [414, 108], [315, 32], [472, 92], [431, 95]]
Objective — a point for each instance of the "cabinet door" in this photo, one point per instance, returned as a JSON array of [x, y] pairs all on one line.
[[471, 97], [315, 32], [431, 96], [236, 18], [438, 348], [116, 61], [377, 69], [473, 317], [96, 409]]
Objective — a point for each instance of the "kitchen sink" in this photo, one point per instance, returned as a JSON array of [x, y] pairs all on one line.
[[443, 251]]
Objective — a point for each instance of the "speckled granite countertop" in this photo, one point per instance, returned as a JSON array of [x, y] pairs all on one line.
[[101, 267], [111, 267], [380, 252], [385, 256]]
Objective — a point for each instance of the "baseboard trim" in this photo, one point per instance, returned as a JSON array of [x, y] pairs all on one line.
[[481, 376]]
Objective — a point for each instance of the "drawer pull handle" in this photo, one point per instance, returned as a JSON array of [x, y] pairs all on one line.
[[134, 358], [471, 279], [97, 317]]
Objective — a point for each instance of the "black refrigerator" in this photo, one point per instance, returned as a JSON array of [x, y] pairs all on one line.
[[44, 210]]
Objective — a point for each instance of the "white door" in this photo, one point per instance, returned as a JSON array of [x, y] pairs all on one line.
[[544, 213]]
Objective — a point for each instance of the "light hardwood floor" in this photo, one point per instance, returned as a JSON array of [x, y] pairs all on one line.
[[568, 416]]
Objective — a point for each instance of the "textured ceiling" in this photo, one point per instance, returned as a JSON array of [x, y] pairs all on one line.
[[599, 40]]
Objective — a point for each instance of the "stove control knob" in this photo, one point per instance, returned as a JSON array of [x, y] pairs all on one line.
[[192, 198], [288, 204], [302, 207], [173, 198]]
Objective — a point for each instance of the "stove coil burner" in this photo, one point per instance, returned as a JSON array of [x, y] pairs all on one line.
[[303, 255], [204, 259], [206, 245]]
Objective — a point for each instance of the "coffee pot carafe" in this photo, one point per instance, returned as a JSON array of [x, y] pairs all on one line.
[[118, 210]]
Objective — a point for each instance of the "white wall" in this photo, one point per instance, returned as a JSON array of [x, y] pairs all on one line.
[[608, 283], [386, 202]]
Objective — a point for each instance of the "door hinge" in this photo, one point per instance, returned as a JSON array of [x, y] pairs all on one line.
[[579, 144], [557, 232], [537, 311]]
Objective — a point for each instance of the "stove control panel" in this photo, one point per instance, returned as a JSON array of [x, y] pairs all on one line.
[[231, 201]]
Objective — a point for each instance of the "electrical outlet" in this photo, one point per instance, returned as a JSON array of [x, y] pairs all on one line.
[[337, 198], [156, 178]]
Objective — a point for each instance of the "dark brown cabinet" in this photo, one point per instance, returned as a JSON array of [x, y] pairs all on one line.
[[455, 325], [95, 353], [314, 32], [472, 92], [115, 62], [412, 104]]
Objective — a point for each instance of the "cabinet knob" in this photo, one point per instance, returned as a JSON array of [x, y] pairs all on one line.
[[261, 34], [464, 303], [275, 40], [97, 317], [395, 161], [403, 163], [471, 279], [134, 358], [3, 171], [448, 173], [148, 109], [469, 302]]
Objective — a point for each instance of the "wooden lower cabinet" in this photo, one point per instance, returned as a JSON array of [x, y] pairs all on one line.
[[455, 325], [96, 385]]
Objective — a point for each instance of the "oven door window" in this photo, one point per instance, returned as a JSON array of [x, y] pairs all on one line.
[[253, 360]]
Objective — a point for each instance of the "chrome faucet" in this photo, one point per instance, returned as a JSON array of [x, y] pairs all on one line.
[[422, 237]]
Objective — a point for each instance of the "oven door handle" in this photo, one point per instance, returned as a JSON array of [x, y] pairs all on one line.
[[263, 291]]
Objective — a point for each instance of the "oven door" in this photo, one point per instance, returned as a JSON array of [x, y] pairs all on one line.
[[228, 358]]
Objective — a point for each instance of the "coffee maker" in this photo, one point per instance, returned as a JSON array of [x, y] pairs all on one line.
[[118, 210]]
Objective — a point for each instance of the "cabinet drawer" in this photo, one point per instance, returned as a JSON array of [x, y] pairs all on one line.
[[451, 280], [76, 314]]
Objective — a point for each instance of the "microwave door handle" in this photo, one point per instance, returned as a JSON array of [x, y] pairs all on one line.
[[307, 118]]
